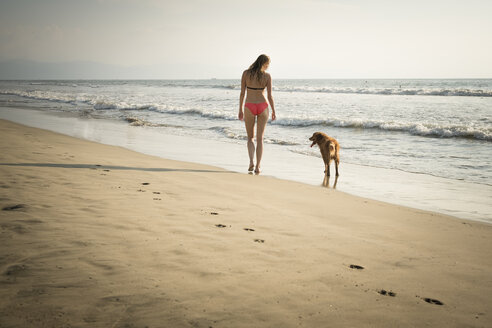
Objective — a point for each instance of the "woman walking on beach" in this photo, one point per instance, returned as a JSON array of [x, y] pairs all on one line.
[[255, 80]]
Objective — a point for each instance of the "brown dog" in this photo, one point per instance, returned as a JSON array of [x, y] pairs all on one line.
[[330, 150]]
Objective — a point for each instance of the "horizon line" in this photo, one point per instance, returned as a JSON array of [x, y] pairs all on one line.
[[281, 78]]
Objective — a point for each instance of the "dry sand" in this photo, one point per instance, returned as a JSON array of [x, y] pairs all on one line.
[[107, 237]]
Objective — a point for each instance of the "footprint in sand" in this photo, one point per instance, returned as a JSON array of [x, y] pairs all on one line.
[[145, 183], [386, 293], [156, 192], [357, 267], [15, 270], [140, 190], [433, 301], [249, 229], [220, 226], [261, 241], [214, 213], [17, 228], [157, 199], [14, 207]]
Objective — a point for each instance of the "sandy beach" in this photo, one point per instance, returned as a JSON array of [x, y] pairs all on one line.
[[100, 236]]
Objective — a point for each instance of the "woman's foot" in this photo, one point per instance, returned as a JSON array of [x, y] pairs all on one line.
[[251, 167], [257, 170]]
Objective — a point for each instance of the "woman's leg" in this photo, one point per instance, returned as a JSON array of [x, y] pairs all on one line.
[[260, 131], [249, 122]]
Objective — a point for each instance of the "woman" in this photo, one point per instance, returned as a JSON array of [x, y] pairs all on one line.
[[255, 80]]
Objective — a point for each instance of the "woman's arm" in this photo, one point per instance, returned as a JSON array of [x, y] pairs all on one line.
[[240, 114], [270, 97]]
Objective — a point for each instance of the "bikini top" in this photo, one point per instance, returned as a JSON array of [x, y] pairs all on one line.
[[256, 88]]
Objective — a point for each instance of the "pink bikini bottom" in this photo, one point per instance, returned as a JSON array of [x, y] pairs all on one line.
[[256, 109]]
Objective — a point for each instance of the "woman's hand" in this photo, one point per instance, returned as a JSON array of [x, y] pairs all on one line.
[[274, 117], [240, 115]]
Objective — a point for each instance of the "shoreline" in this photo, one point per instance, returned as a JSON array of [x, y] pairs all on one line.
[[110, 237], [461, 199]]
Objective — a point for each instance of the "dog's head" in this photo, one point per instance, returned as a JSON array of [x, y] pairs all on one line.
[[316, 138]]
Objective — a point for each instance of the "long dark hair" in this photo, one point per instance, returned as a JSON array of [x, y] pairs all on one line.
[[255, 68]]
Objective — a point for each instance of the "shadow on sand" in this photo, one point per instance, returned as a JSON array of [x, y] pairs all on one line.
[[109, 167]]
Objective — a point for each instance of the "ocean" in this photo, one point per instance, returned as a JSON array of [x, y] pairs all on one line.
[[428, 128]]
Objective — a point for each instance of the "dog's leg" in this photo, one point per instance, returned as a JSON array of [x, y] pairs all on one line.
[[337, 158], [326, 160], [328, 165]]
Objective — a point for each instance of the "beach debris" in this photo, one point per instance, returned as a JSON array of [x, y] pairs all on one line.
[[433, 301], [261, 241], [214, 213], [249, 229], [145, 183], [357, 267], [386, 293], [220, 225], [14, 207]]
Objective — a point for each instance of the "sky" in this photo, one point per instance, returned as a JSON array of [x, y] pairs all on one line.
[[221, 38]]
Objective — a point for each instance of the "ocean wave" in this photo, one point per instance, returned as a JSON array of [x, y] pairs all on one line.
[[108, 105], [95, 102], [482, 132], [135, 121], [224, 131], [229, 133], [419, 129], [397, 91], [39, 95], [57, 83], [356, 87], [197, 112], [390, 91], [194, 85]]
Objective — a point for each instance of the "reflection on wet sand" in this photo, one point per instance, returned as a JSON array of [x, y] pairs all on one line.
[[326, 182]]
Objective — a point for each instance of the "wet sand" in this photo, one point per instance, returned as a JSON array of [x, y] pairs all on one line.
[[100, 236]]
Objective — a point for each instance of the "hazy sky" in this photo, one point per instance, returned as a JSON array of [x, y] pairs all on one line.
[[220, 38]]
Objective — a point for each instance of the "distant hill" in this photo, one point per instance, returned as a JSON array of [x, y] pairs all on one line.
[[27, 70]]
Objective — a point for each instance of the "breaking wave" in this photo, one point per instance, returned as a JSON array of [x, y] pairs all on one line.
[[442, 130], [420, 129]]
